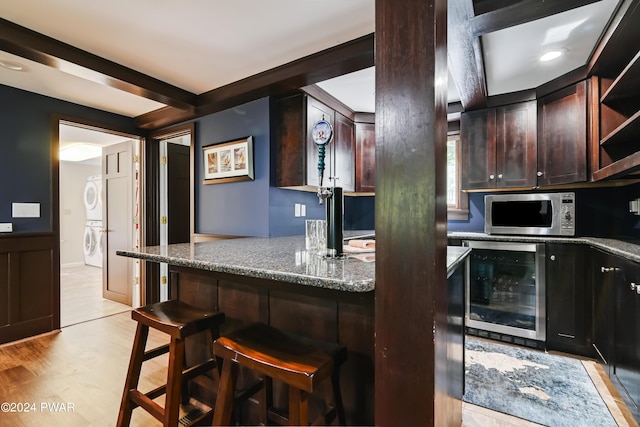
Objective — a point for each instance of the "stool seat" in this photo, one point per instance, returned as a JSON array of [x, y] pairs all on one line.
[[176, 318], [297, 361], [179, 321]]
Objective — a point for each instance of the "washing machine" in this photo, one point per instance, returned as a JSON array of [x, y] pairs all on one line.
[[93, 198], [93, 243]]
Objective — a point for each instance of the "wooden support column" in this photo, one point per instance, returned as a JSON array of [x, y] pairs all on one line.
[[411, 382]]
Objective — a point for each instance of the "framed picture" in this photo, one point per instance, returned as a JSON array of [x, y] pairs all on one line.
[[228, 161]]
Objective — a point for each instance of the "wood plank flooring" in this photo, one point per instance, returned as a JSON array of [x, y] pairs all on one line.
[[81, 295], [75, 378]]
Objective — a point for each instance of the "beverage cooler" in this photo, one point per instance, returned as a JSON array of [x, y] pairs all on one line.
[[505, 292]]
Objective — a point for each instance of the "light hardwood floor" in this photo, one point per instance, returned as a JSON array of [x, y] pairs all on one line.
[[81, 295], [82, 370]]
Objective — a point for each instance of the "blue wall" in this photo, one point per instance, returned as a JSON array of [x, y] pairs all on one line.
[[25, 162], [257, 208]]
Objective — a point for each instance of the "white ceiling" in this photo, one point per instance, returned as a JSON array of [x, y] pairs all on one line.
[[200, 45]]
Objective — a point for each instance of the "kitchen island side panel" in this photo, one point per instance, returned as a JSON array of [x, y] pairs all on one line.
[[316, 313]]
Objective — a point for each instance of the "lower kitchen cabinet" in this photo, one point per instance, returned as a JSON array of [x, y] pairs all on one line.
[[626, 335], [616, 323], [568, 299]]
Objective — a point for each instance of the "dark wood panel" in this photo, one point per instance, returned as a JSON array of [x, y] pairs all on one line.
[[29, 285], [314, 312], [53, 53], [290, 124], [478, 140], [365, 157], [516, 143], [520, 12], [411, 292], [345, 153], [562, 143]]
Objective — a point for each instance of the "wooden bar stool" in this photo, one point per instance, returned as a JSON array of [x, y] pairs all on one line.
[[179, 320], [299, 362]]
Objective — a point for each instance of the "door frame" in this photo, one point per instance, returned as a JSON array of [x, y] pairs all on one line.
[[56, 121], [150, 200]]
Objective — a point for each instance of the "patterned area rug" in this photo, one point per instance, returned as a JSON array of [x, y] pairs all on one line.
[[533, 385]]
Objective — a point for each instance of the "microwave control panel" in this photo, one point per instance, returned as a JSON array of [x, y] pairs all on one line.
[[568, 213]]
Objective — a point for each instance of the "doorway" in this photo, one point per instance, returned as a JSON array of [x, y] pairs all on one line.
[[175, 196], [84, 242]]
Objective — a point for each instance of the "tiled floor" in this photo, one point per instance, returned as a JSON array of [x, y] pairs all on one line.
[[81, 296]]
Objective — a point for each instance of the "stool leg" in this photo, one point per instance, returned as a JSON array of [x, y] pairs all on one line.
[[337, 398], [298, 407], [133, 374], [226, 393], [174, 382]]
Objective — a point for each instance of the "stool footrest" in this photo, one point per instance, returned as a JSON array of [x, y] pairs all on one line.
[[158, 351], [149, 405]]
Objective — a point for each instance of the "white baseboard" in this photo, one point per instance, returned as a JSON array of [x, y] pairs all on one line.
[[72, 264]]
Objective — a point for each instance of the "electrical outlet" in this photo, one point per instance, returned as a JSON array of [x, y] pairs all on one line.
[[303, 210], [297, 209], [6, 227]]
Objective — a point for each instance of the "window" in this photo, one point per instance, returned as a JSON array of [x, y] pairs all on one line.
[[457, 200]]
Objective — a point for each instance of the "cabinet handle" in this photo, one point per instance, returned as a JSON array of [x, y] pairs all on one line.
[[609, 269], [552, 257], [491, 176], [539, 173], [499, 176]]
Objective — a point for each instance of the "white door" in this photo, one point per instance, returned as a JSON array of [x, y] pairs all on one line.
[[117, 175]]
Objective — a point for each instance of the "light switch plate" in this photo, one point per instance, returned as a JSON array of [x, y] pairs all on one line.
[[25, 210], [6, 227]]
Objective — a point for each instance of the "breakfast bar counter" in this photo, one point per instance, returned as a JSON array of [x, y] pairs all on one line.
[[276, 281]]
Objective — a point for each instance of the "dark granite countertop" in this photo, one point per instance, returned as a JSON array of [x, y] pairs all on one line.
[[277, 258], [624, 249]]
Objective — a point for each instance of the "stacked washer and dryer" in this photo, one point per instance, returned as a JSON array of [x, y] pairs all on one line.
[[93, 233]]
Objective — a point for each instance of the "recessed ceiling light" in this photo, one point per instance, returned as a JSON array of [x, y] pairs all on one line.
[[551, 55], [12, 65]]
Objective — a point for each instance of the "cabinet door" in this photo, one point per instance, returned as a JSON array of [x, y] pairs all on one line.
[[365, 157], [562, 136], [318, 111], [627, 335], [516, 145], [568, 300], [602, 280], [478, 139], [345, 153]]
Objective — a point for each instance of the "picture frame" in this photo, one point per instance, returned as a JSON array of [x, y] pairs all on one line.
[[228, 161]]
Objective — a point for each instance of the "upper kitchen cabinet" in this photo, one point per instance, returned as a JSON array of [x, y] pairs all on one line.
[[562, 136], [365, 157], [297, 154], [499, 147]]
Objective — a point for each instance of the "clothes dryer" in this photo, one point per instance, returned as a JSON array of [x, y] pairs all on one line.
[[93, 198]]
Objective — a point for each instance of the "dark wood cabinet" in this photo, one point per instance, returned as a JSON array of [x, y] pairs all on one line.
[[499, 147], [568, 300], [626, 335], [297, 154], [478, 139], [365, 157], [562, 136], [616, 323]]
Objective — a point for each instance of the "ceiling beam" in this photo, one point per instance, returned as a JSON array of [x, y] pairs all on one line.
[[465, 56], [333, 62], [516, 13], [45, 50]]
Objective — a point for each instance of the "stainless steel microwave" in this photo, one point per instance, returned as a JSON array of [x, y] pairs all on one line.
[[547, 214]]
